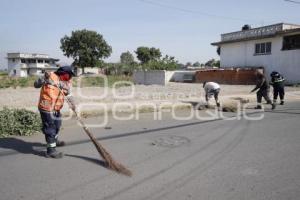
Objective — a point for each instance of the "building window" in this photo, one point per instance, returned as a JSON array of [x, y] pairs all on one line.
[[40, 61], [23, 61], [268, 47], [263, 48], [291, 42]]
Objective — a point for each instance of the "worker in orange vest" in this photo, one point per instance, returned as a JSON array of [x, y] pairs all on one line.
[[51, 101]]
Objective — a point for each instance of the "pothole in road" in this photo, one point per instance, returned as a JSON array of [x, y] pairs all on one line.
[[171, 141]]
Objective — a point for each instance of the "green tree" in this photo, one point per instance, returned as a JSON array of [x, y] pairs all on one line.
[[127, 58], [213, 63], [180, 66], [155, 53], [210, 63], [188, 64], [167, 63], [128, 65], [170, 63], [196, 64], [86, 47], [217, 64], [146, 54]]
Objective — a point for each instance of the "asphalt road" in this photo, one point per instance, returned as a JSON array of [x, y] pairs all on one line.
[[170, 159]]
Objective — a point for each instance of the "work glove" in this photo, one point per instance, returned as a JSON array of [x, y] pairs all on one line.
[[47, 78], [47, 75], [253, 90], [43, 80], [39, 83]]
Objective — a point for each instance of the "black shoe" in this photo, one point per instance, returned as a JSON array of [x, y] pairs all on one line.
[[60, 143], [273, 106], [52, 153], [258, 107], [282, 103]]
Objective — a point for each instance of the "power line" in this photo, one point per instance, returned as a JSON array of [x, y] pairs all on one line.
[[197, 12], [291, 1]]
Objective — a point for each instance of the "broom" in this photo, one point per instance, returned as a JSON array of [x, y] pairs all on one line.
[[110, 162]]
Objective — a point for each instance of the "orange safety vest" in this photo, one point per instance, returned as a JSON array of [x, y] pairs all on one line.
[[51, 98]]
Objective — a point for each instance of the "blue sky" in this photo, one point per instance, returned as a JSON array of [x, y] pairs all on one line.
[[183, 29]]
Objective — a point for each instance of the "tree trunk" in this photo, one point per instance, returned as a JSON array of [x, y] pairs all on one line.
[[76, 70], [82, 68]]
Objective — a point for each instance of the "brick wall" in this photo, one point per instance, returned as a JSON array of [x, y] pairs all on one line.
[[236, 76]]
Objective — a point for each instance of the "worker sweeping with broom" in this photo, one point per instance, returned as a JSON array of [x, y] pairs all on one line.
[[54, 87]]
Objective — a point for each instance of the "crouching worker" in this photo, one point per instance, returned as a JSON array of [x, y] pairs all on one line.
[[264, 90], [277, 81], [212, 89], [52, 85]]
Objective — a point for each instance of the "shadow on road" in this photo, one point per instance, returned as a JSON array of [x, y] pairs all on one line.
[[291, 111], [198, 105], [92, 160], [280, 112], [18, 145]]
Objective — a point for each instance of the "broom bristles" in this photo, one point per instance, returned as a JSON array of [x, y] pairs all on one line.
[[111, 163]]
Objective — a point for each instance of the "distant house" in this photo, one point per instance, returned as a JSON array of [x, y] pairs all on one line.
[[26, 64], [274, 47]]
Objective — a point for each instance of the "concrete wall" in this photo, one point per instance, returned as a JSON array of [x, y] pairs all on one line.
[[169, 76], [241, 54], [179, 75], [159, 77], [93, 70], [153, 77]]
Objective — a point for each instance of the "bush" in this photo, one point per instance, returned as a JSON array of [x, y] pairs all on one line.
[[3, 73], [19, 122], [92, 81], [96, 81], [6, 81]]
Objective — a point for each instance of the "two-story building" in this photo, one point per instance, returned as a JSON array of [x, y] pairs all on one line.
[[26, 64], [274, 47]]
